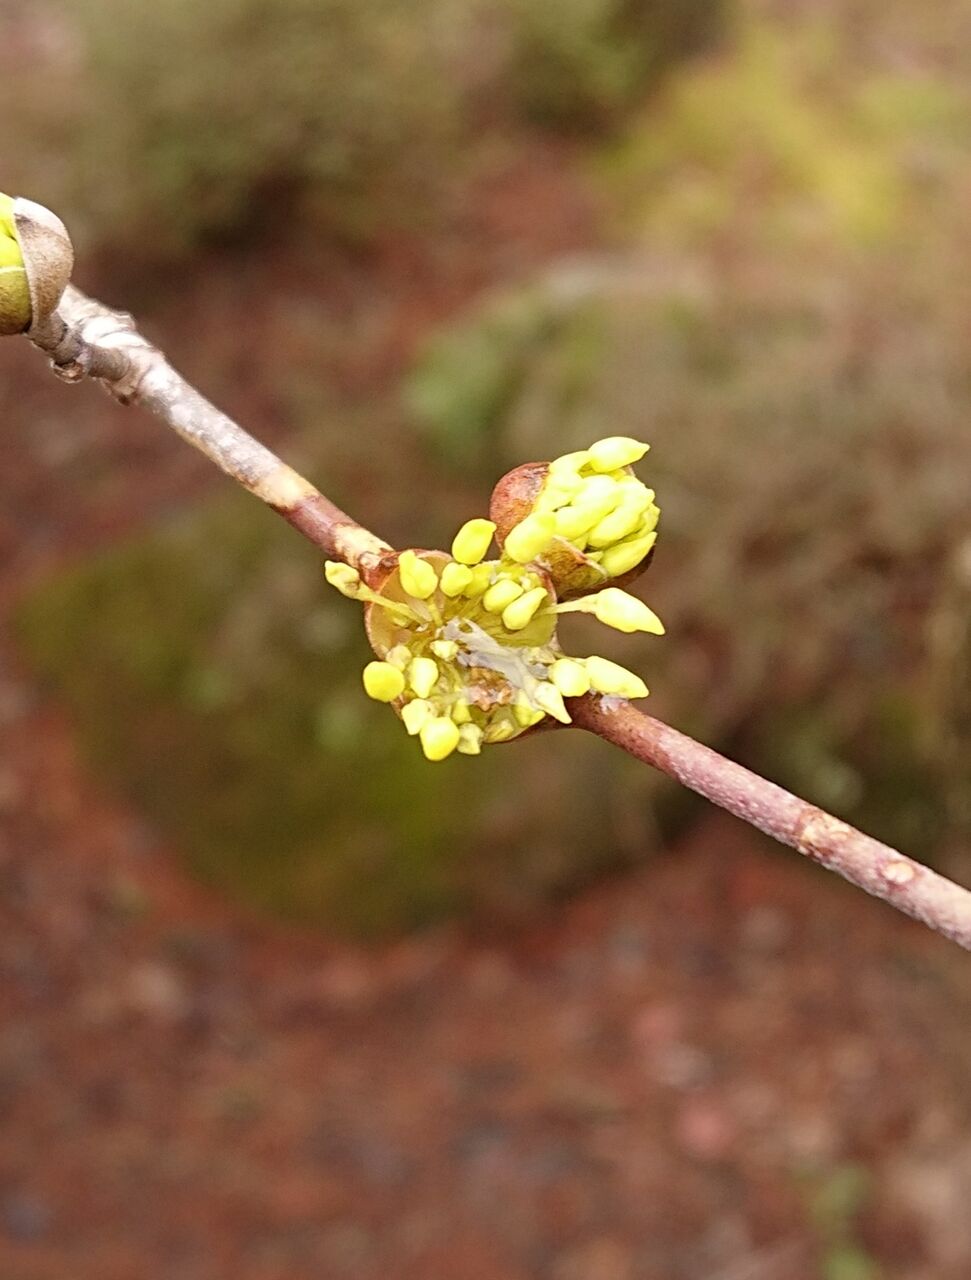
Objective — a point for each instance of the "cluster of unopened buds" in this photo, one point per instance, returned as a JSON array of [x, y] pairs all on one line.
[[467, 650]]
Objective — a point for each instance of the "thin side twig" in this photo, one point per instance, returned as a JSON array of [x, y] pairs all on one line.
[[86, 339]]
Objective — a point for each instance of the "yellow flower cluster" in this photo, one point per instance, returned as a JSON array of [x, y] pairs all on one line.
[[15, 310], [592, 520], [466, 647]]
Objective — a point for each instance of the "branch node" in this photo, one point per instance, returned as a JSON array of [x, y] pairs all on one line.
[[898, 872], [818, 833]]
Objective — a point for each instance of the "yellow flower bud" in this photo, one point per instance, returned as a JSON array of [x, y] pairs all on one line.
[[633, 493], [617, 609], [455, 579], [500, 595], [343, 577], [415, 715], [573, 522], [444, 649], [626, 555], [651, 517], [418, 578], [610, 677], [481, 578], [597, 499], [8, 225], [470, 740], [500, 731], [15, 307], [472, 541], [521, 612], [524, 711], [568, 465], [460, 712], [530, 538], [37, 248], [423, 676], [615, 452], [602, 491], [550, 699], [439, 737], [383, 682], [570, 677], [555, 496], [616, 526]]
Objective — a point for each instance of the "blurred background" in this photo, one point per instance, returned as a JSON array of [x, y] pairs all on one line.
[[278, 999]]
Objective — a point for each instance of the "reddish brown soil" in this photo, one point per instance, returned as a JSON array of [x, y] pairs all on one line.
[[657, 1082]]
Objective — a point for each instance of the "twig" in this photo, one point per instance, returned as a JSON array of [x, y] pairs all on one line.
[[86, 339], [865, 862]]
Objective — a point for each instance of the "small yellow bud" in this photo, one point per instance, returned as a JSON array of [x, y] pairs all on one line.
[[633, 493], [15, 306], [36, 260], [343, 577], [481, 578], [470, 740], [570, 677], [651, 517], [418, 578], [383, 682], [600, 491], [617, 609], [568, 464], [460, 711], [423, 676], [416, 714], [500, 595], [615, 452], [598, 498], [563, 468], [500, 731], [472, 541], [444, 649], [573, 522], [610, 677], [530, 538], [8, 224], [521, 612], [626, 555], [616, 526], [439, 737], [455, 579], [523, 710], [550, 699], [555, 496]]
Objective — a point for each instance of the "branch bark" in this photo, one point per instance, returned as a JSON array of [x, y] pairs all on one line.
[[874, 867], [86, 339]]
